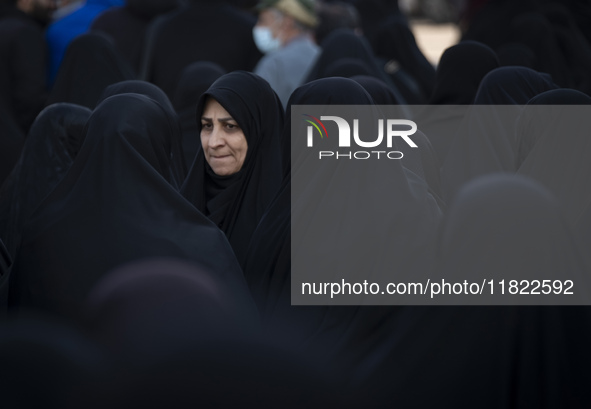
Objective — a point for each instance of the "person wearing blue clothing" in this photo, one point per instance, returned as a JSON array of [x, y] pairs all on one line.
[[62, 32]]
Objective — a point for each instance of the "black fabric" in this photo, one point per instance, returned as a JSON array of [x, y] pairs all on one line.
[[5, 264], [559, 157], [572, 43], [195, 80], [380, 92], [23, 61], [192, 34], [50, 148], [151, 310], [344, 43], [460, 70], [12, 139], [238, 208], [412, 213], [178, 166], [526, 132], [508, 226], [127, 26], [484, 142], [536, 32], [396, 42], [44, 363], [516, 54], [90, 65], [347, 68], [115, 205], [459, 73]]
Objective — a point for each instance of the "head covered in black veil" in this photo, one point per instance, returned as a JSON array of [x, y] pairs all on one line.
[[484, 142], [159, 308], [558, 137], [526, 136], [345, 44], [115, 205], [406, 203], [236, 202], [50, 148], [90, 65], [178, 164], [460, 70], [194, 81]]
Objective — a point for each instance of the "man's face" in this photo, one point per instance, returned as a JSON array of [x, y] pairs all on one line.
[[272, 19]]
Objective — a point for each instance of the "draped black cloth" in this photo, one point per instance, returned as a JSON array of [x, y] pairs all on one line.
[[380, 92], [12, 139], [345, 44], [458, 76], [191, 34], [509, 225], [44, 363], [153, 309], [50, 148], [396, 42], [485, 142], [525, 135], [536, 32], [23, 61], [90, 65], [115, 205], [460, 70], [194, 81], [412, 216], [127, 26], [5, 263], [237, 203], [178, 166], [558, 159]]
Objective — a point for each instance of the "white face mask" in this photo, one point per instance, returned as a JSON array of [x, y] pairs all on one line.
[[264, 40]]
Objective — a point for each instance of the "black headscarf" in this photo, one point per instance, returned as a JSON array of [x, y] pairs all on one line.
[[345, 44], [380, 92], [460, 70], [459, 73], [12, 140], [50, 148], [47, 364], [484, 142], [90, 65], [526, 136], [237, 202], [178, 166], [154, 309], [5, 263], [509, 226], [536, 32], [192, 34], [559, 157], [127, 25], [115, 205], [396, 42], [268, 267], [194, 81]]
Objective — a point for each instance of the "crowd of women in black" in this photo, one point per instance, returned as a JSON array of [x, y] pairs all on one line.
[[142, 268]]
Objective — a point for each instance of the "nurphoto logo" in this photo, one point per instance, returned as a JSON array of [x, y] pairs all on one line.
[[390, 128]]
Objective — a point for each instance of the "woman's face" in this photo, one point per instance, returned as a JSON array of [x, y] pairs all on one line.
[[224, 143]]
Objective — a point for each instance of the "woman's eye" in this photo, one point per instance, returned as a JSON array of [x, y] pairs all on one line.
[[231, 126], [206, 125]]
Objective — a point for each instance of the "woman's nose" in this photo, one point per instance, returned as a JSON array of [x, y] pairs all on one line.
[[216, 138]]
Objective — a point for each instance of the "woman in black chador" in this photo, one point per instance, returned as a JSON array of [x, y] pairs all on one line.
[[237, 172], [115, 205]]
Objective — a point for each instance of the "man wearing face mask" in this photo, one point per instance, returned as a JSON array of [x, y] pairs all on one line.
[[284, 33]]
